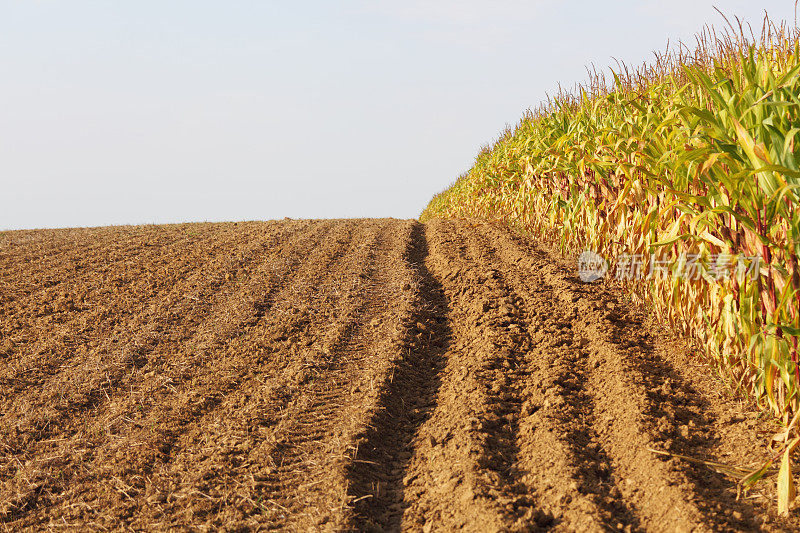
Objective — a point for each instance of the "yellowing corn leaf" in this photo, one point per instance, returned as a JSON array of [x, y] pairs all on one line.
[[786, 489], [712, 239], [761, 152], [769, 379]]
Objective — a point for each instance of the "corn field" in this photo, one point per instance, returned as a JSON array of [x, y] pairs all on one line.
[[693, 155]]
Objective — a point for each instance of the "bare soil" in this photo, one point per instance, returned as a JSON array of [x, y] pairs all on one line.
[[349, 375]]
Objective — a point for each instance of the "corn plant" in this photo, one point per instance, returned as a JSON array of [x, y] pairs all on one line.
[[692, 155]]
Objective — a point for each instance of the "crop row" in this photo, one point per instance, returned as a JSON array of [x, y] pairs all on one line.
[[692, 158]]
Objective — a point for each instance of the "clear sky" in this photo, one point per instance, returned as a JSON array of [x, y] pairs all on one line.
[[146, 111]]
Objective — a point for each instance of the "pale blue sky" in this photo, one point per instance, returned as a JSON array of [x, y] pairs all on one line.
[[169, 111]]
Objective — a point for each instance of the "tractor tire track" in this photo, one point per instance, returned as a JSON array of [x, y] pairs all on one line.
[[405, 399]]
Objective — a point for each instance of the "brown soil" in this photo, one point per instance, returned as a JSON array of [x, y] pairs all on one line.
[[348, 374]]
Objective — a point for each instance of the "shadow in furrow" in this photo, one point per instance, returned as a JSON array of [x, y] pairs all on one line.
[[501, 450], [675, 404], [595, 470], [594, 467], [676, 416], [405, 402]]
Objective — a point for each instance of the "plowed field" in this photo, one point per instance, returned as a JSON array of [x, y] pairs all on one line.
[[347, 374]]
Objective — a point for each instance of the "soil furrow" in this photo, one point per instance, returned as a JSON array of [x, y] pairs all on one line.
[[405, 398], [619, 368], [79, 266], [462, 472], [233, 330], [110, 361], [315, 433], [238, 434], [148, 312], [37, 268], [568, 468], [142, 417]]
